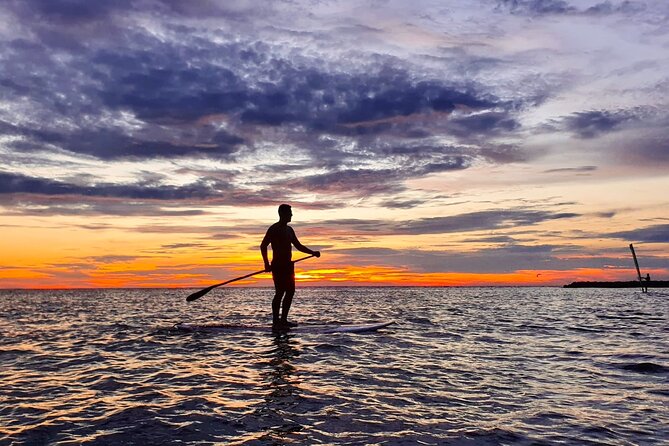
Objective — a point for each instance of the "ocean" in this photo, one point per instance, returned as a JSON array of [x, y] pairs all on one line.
[[460, 366]]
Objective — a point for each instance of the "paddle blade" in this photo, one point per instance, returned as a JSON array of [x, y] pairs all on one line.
[[198, 294]]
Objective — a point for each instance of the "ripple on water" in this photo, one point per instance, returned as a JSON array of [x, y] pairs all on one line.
[[644, 367]]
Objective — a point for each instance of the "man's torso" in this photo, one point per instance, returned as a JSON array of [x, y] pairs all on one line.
[[281, 238]]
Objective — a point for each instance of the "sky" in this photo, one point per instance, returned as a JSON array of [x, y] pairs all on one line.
[[149, 143]]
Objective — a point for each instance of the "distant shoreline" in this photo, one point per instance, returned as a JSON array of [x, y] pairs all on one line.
[[626, 284], [269, 287]]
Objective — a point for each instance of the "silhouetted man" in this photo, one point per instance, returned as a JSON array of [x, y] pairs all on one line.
[[645, 288], [282, 238]]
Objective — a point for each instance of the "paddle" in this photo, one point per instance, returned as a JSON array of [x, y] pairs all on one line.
[[199, 294]]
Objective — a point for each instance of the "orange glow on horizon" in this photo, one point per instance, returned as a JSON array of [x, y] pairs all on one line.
[[342, 276]]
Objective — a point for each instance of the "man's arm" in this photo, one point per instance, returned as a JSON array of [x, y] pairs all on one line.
[[301, 247], [263, 250]]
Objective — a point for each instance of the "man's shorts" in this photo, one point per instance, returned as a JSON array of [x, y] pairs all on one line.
[[284, 276]]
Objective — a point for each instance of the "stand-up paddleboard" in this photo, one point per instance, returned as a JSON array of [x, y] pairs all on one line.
[[310, 328]]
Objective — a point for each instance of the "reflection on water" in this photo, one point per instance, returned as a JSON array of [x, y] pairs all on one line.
[[280, 379], [281, 372], [461, 366], [270, 421]]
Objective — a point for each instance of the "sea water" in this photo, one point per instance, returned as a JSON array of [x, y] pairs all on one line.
[[471, 366]]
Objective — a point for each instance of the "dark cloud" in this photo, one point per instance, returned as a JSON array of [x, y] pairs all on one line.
[[372, 252], [359, 181], [67, 12], [238, 11], [41, 196], [493, 239], [185, 245], [650, 234], [502, 153], [609, 7], [11, 183], [374, 182], [111, 143], [590, 124], [168, 86], [185, 90], [22, 195], [82, 12], [174, 87], [564, 7], [280, 92], [390, 93], [577, 170], [536, 7], [403, 204], [641, 136], [469, 222], [31, 206], [605, 214], [488, 124], [481, 220]]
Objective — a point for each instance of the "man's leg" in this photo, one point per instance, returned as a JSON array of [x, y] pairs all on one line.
[[276, 305], [290, 292], [287, 301]]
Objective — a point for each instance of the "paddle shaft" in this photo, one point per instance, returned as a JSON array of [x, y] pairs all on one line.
[[636, 263], [199, 294]]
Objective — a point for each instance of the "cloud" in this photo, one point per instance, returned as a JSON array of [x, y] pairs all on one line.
[[564, 7], [632, 136], [165, 84], [609, 7], [517, 257], [358, 182], [492, 239], [366, 182], [110, 259], [590, 124], [186, 245], [257, 88], [112, 143], [481, 220], [468, 222], [141, 97], [367, 252], [28, 195], [11, 183], [649, 234], [487, 123], [536, 7], [403, 203], [66, 12], [636, 136], [594, 123], [26, 206], [577, 170]]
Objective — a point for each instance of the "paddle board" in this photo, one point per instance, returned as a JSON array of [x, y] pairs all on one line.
[[308, 328]]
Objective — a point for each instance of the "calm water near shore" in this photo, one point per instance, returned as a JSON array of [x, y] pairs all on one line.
[[472, 366]]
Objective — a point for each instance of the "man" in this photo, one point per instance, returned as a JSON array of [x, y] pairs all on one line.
[[282, 237], [645, 288]]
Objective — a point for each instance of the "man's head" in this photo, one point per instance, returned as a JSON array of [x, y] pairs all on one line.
[[285, 212]]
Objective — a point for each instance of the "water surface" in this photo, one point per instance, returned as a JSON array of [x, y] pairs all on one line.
[[473, 366]]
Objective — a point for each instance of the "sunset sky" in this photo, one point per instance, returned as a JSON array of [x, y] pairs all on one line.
[[480, 142]]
